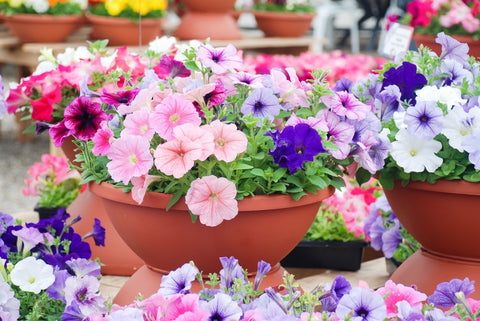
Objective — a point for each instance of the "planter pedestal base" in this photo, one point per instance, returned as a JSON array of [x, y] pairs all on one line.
[[146, 281], [430, 270], [117, 257]]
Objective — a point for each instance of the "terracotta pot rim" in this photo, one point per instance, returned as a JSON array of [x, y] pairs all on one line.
[[155, 200], [444, 186], [19, 17], [93, 18], [282, 15]]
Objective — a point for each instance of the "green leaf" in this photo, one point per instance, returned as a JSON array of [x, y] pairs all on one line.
[[242, 166], [175, 197], [258, 172], [279, 187], [318, 182], [192, 65], [362, 176]]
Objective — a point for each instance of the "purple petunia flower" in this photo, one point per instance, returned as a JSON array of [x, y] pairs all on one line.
[[262, 269], [41, 127], [261, 103], [73, 313], [241, 77], [85, 292], [221, 59], [387, 102], [391, 238], [83, 118], [344, 84], [339, 287], [82, 267], [424, 120], [98, 233], [406, 78], [470, 144], [363, 305], [452, 48], [222, 308], [445, 296], [55, 291], [174, 67], [178, 281], [340, 133], [295, 145], [231, 270], [375, 231], [346, 104], [120, 97]]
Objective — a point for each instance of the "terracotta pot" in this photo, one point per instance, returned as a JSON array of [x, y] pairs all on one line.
[[117, 258], [266, 228], [42, 28], [429, 41], [283, 24], [444, 218], [124, 32], [208, 19]]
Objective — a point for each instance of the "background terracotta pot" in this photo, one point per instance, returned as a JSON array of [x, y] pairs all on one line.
[[283, 24], [266, 228], [124, 32], [208, 19], [429, 41], [42, 28], [444, 218]]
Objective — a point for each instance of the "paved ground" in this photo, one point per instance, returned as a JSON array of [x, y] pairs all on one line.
[[15, 159]]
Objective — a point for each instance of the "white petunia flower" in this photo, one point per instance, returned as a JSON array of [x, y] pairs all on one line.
[[162, 45], [40, 6], [447, 95], [414, 154], [32, 275], [459, 124], [427, 93], [398, 117]]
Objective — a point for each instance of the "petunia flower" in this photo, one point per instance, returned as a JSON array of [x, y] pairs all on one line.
[[82, 117], [120, 97], [222, 308], [140, 185], [103, 140], [178, 281], [130, 157], [346, 104], [406, 78], [220, 59], [395, 293], [32, 275], [261, 103], [212, 199], [138, 123], [173, 111], [59, 133], [362, 305], [177, 157], [173, 67], [203, 136], [229, 142], [424, 120], [85, 292], [459, 125], [414, 154], [470, 144], [340, 133], [445, 295]]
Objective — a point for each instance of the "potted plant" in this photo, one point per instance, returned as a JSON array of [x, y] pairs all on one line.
[[430, 121], [54, 183], [283, 18], [202, 80], [456, 18], [336, 239], [228, 295], [132, 23], [43, 21], [46, 269], [388, 235]]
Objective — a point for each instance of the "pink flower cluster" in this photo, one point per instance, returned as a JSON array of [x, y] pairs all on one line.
[[353, 203], [339, 64], [52, 168]]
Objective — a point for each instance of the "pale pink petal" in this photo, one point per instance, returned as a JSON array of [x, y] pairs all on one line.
[[140, 185], [212, 199], [176, 157], [173, 111], [138, 123], [197, 135], [229, 141], [130, 156]]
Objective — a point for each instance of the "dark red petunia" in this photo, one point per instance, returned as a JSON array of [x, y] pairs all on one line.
[[83, 117]]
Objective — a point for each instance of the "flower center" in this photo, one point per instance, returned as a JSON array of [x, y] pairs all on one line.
[[133, 159], [213, 196], [31, 280], [220, 142], [174, 118], [413, 152], [144, 129], [82, 295]]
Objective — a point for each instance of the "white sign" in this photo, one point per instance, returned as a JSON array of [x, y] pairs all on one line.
[[396, 40]]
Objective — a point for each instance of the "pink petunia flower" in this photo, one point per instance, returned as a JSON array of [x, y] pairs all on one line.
[[130, 157], [103, 139], [399, 292], [212, 199], [198, 135], [346, 104], [171, 112], [177, 157], [140, 185], [221, 59], [138, 123], [229, 141]]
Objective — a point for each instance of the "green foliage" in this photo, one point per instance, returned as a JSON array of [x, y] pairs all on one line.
[[330, 226]]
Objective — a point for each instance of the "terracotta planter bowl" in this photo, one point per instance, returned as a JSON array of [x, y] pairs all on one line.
[[266, 228], [42, 28], [444, 218], [288, 25]]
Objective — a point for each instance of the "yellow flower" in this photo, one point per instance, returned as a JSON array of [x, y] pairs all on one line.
[[15, 3], [158, 4], [115, 7], [142, 6]]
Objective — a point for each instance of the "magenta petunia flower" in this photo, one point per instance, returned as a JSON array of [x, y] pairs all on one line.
[[221, 59], [229, 141], [212, 199], [58, 133], [173, 111], [119, 97], [103, 139], [346, 104], [177, 157], [83, 117], [130, 157], [398, 292]]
